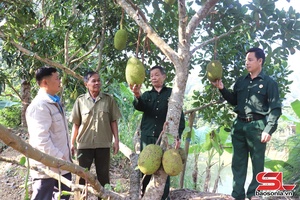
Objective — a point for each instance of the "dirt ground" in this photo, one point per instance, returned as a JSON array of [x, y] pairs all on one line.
[[12, 178]]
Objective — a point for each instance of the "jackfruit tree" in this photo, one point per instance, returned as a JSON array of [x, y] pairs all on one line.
[[76, 36]]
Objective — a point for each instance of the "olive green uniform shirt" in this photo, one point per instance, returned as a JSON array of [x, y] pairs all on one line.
[[256, 96], [94, 118], [155, 107]]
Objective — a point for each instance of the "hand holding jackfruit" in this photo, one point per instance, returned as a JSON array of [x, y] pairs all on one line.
[[172, 162], [214, 70], [120, 39], [150, 158], [135, 71]]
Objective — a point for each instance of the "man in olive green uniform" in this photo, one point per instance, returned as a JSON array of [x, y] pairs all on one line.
[[95, 123], [258, 107], [154, 105]]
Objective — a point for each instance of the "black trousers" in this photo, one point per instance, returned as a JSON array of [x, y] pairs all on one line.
[[47, 189], [101, 157]]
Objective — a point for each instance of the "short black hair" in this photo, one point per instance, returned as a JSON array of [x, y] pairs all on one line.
[[43, 72], [162, 71], [259, 53], [88, 75]]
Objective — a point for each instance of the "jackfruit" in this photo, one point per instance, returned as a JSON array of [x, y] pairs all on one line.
[[214, 70], [135, 71], [172, 162], [120, 39], [150, 158]]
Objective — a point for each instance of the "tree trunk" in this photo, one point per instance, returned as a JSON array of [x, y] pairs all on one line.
[[25, 96], [195, 172], [187, 146]]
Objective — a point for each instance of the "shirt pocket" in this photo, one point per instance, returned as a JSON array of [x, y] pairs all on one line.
[[104, 114], [259, 97], [57, 123], [85, 116]]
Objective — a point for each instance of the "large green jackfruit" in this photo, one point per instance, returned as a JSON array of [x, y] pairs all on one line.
[[135, 71], [150, 158], [172, 162], [214, 70], [120, 39]]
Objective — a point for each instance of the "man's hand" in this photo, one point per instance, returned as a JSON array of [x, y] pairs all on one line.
[[219, 84], [116, 147], [136, 89], [177, 143], [265, 137], [73, 150]]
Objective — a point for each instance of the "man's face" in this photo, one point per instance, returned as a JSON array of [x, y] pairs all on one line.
[[94, 83], [53, 83], [157, 78], [252, 63]]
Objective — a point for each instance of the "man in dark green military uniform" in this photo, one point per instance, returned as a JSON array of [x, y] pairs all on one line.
[[154, 105], [258, 107]]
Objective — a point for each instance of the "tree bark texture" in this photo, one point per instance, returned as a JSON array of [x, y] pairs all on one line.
[[25, 96]]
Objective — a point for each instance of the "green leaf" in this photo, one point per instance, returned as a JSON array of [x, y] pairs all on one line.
[[275, 165], [296, 107], [4, 104], [22, 160]]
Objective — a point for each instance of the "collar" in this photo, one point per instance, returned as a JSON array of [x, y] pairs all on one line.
[[163, 87], [260, 75], [88, 96], [55, 98]]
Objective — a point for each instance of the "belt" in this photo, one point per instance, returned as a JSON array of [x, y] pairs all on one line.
[[250, 118]]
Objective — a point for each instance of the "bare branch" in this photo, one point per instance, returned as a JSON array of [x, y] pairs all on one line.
[[183, 18], [44, 60], [204, 106], [14, 89], [138, 16], [66, 42], [215, 38], [101, 45], [199, 16], [88, 53]]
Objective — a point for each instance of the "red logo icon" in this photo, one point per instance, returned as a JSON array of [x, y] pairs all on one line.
[[272, 181]]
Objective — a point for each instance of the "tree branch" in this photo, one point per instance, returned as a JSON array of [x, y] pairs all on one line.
[[204, 106], [101, 45], [18, 144], [88, 53], [215, 38], [199, 16], [138, 16], [44, 60]]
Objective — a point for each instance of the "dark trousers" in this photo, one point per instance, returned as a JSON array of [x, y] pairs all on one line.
[[47, 189], [101, 156], [246, 139], [146, 181]]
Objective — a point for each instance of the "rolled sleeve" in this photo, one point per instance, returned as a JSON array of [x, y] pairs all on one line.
[[75, 116]]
